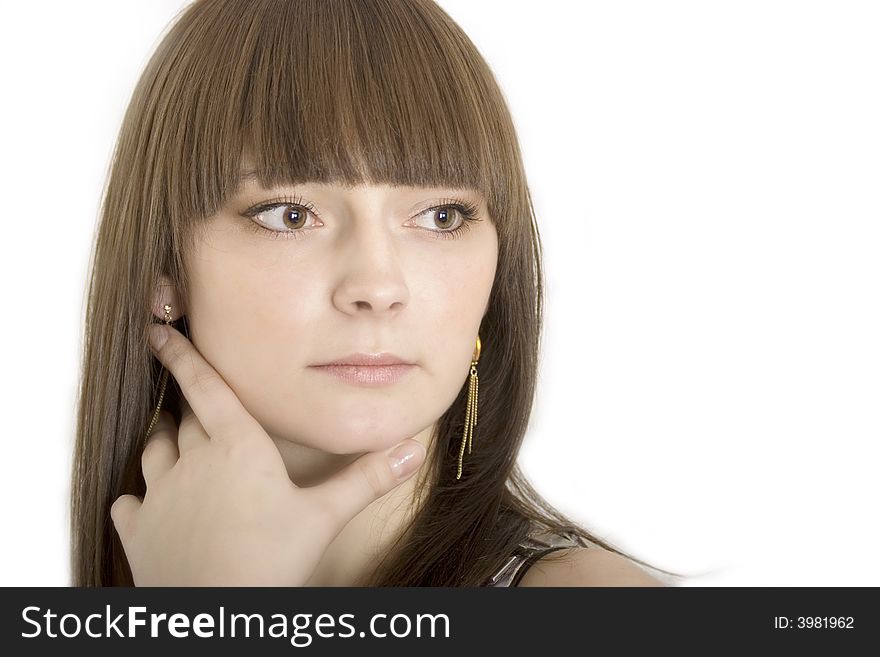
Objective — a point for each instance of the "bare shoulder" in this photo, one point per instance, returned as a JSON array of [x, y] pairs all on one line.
[[586, 566]]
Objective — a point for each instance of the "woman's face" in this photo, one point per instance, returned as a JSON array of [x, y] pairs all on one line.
[[367, 269]]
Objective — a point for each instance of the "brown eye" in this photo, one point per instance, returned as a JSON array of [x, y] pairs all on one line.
[[450, 219], [444, 217], [285, 216], [294, 216]]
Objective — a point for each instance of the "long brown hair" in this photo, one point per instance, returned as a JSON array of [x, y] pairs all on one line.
[[343, 91]]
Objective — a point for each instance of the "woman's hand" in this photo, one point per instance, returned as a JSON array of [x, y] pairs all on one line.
[[220, 508]]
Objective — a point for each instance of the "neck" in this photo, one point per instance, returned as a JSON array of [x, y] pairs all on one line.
[[352, 555]]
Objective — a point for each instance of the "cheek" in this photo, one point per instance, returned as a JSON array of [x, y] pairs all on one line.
[[243, 318], [455, 289], [255, 327]]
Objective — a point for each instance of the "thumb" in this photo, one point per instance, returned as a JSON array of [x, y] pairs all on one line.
[[368, 478]]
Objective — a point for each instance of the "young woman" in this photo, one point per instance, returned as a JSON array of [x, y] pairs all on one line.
[[322, 205]]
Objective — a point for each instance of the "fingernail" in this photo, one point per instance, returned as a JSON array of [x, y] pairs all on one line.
[[158, 335], [406, 458]]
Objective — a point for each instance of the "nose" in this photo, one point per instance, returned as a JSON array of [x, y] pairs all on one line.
[[372, 279]]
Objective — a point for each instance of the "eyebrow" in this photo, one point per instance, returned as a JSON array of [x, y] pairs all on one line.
[[246, 175]]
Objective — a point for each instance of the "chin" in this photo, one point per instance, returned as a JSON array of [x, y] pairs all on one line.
[[341, 435], [343, 438]]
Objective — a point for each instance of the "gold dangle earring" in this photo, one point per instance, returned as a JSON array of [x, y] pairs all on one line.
[[470, 418], [164, 379]]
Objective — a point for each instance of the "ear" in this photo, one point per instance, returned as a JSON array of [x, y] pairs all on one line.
[[166, 292]]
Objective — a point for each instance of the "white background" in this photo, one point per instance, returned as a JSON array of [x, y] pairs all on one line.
[[706, 181]]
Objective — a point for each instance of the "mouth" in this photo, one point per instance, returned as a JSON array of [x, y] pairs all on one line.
[[368, 375], [364, 359]]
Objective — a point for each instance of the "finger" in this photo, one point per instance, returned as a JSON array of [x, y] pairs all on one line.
[[191, 434], [122, 513], [160, 451], [368, 478], [214, 403]]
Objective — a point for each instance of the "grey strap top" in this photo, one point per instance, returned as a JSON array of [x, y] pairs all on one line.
[[537, 544]]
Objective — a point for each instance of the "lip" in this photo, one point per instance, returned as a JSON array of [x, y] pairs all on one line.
[[370, 360], [368, 375], [368, 369]]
